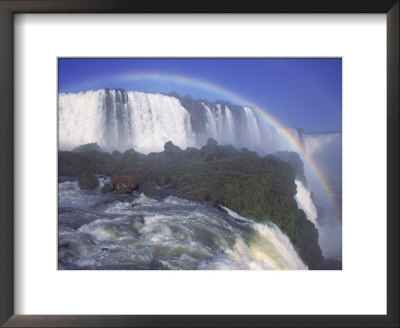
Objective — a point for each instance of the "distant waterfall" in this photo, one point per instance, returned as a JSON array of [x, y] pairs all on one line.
[[219, 123], [117, 119], [314, 142]]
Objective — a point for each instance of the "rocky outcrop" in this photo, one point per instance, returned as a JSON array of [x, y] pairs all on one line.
[[125, 182], [259, 188], [306, 242], [87, 181], [295, 162], [88, 147]]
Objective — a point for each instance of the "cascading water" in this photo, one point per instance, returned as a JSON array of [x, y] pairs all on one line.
[[305, 202], [105, 231], [119, 119], [252, 128], [81, 118]]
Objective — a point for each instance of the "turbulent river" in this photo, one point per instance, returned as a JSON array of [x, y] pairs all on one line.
[[132, 231]]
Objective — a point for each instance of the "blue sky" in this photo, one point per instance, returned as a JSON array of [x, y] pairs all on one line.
[[298, 92]]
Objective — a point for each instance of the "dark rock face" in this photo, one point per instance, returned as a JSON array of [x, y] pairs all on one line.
[[306, 242], [88, 147], [295, 162], [148, 188], [211, 143], [196, 111], [171, 149], [261, 189], [87, 181], [211, 151]]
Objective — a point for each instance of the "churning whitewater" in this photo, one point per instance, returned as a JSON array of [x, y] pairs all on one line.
[[132, 231]]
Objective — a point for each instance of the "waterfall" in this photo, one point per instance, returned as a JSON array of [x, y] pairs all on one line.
[[305, 202], [157, 119], [116, 119], [220, 124], [252, 128], [211, 124], [119, 119], [81, 118]]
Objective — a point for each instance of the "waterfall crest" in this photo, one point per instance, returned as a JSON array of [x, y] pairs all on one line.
[[117, 119]]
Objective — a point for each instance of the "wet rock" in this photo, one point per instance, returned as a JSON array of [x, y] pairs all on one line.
[[148, 188], [87, 181], [108, 187], [306, 242], [137, 225], [88, 147], [171, 149]]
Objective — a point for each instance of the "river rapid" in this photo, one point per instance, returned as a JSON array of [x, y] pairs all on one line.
[[131, 231]]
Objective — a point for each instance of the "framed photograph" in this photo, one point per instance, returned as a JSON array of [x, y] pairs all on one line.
[[199, 164]]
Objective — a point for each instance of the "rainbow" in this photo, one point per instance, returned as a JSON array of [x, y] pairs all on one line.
[[233, 97]]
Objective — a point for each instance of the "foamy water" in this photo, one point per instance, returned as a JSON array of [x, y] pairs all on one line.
[[98, 231]]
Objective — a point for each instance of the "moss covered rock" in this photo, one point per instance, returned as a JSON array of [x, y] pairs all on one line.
[[295, 162], [87, 181], [148, 188], [171, 149], [108, 187]]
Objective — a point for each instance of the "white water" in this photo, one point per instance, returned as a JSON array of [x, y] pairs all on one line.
[[305, 202], [211, 124], [118, 120], [220, 124], [81, 119], [98, 231], [122, 120], [269, 248], [252, 128]]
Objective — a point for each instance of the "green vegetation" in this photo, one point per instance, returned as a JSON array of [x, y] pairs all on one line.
[[148, 188], [108, 187], [87, 181], [295, 162], [258, 188]]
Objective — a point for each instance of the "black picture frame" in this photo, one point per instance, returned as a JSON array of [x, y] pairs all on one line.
[[10, 7]]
